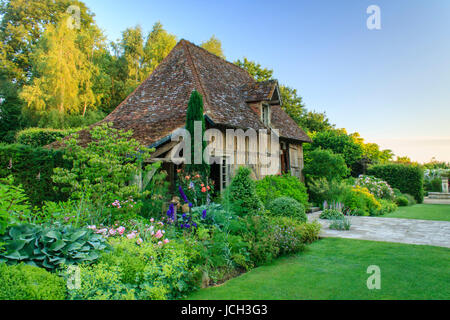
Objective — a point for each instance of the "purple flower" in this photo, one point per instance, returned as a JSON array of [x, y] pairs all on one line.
[[184, 215], [182, 194], [194, 225], [171, 212], [188, 226], [190, 205], [204, 214]]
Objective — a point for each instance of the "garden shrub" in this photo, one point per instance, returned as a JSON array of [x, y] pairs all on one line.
[[310, 231], [275, 186], [433, 185], [52, 246], [333, 191], [39, 137], [325, 164], [24, 282], [361, 199], [386, 207], [379, 188], [331, 214], [402, 201], [102, 170], [407, 178], [411, 200], [287, 207], [288, 234], [33, 168], [101, 282], [139, 271], [257, 232], [240, 196]]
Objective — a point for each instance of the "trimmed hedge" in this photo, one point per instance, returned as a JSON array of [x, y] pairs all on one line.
[[33, 169], [406, 178], [39, 137], [287, 207]]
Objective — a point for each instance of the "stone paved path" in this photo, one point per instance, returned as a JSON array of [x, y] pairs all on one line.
[[412, 231]]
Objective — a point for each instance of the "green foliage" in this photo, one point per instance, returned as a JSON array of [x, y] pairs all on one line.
[[32, 168], [288, 234], [144, 271], [331, 191], [378, 187], [331, 214], [195, 114], [433, 185], [24, 282], [214, 46], [101, 282], [313, 121], [360, 199], [342, 223], [407, 178], [402, 201], [241, 194], [287, 207], [51, 247], [272, 187], [39, 137], [325, 164], [339, 142], [14, 204], [386, 207], [102, 171], [255, 69], [310, 231]]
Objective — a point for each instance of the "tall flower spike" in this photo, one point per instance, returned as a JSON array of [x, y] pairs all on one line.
[[182, 194]]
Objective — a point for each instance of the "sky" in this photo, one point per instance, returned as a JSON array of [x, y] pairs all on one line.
[[392, 85]]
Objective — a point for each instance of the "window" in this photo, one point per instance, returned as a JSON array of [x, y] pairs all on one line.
[[224, 173], [265, 114]]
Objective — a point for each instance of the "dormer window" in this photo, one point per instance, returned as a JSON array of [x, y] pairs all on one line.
[[265, 114]]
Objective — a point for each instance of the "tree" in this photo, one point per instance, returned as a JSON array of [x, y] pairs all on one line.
[[241, 195], [195, 113], [313, 121], [214, 46], [10, 110], [103, 169], [292, 103], [158, 46], [58, 72], [133, 52], [255, 69], [325, 164], [22, 24], [339, 142]]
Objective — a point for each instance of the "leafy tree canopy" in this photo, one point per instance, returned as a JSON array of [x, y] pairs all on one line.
[[214, 46]]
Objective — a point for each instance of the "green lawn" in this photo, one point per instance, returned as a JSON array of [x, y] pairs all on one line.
[[336, 269], [423, 211]]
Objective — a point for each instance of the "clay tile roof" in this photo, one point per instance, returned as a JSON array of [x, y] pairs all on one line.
[[258, 91], [158, 106]]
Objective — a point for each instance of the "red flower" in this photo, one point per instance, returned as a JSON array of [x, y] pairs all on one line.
[[203, 189]]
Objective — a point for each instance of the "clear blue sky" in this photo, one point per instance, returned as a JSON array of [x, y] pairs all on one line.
[[391, 85]]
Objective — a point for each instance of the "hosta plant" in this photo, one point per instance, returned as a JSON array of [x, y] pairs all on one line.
[[51, 247]]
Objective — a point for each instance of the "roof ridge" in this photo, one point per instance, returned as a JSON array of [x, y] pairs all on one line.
[[195, 72], [217, 57], [141, 84]]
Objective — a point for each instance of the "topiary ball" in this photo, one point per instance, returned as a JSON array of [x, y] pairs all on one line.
[[287, 207]]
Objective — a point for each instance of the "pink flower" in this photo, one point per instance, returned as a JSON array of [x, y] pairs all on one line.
[[166, 241], [121, 230], [139, 241], [159, 234], [131, 235], [104, 230], [93, 227], [152, 220], [112, 232], [160, 243]]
